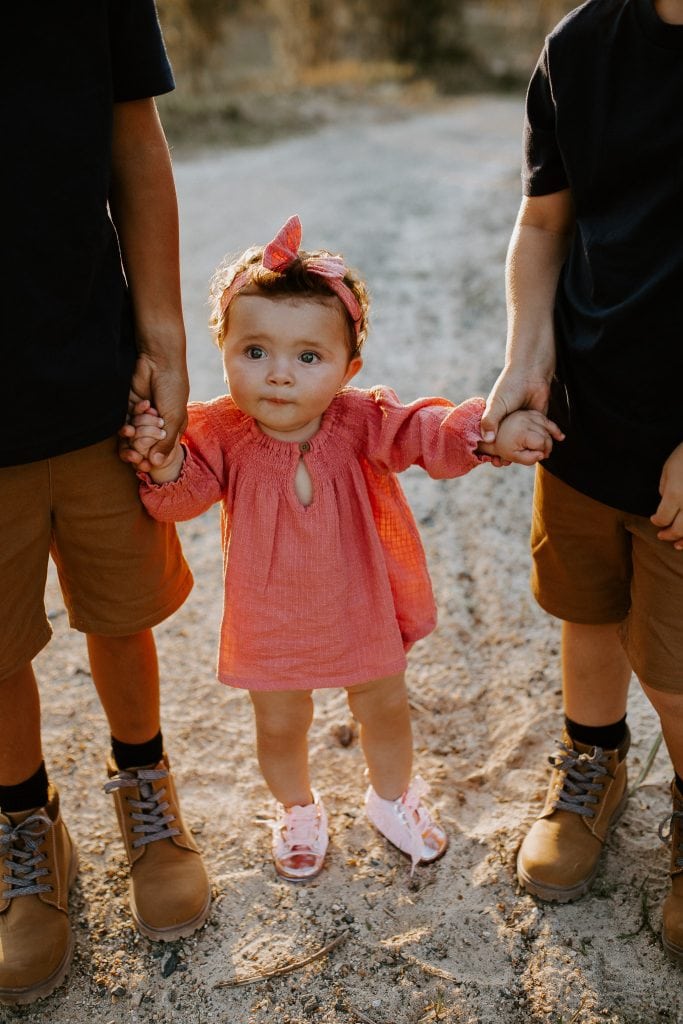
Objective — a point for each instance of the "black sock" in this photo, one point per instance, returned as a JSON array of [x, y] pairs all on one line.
[[26, 795], [137, 755], [606, 736]]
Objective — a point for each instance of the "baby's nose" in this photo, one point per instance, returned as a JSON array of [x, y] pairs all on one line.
[[280, 372]]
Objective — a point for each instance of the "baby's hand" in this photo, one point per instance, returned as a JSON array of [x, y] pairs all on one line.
[[669, 514], [143, 429], [525, 437], [148, 426]]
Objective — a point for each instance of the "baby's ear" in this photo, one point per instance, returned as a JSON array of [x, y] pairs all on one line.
[[351, 370]]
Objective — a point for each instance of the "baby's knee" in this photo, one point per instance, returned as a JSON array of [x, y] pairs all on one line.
[[382, 698], [279, 719]]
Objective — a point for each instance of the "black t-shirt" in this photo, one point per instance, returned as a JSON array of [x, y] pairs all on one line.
[[65, 322], [605, 119]]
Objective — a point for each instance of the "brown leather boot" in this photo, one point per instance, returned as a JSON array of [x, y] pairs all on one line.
[[170, 896], [672, 911], [558, 859], [38, 864]]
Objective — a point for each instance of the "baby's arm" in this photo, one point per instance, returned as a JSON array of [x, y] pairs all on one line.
[[525, 436], [669, 514], [148, 430]]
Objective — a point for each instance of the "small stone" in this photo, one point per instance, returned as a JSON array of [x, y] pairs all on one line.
[[170, 964], [344, 735]]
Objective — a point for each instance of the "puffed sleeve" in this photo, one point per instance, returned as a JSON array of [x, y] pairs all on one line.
[[543, 170], [203, 478], [432, 433]]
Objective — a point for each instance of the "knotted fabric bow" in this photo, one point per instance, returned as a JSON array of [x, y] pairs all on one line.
[[279, 254]]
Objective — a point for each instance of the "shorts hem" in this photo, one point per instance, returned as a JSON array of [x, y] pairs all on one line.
[[139, 625], [44, 638], [579, 618], [661, 687], [663, 684]]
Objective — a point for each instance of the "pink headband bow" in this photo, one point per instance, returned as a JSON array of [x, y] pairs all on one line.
[[282, 252]]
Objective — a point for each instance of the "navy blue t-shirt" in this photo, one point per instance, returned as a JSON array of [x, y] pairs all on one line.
[[65, 321], [605, 119]]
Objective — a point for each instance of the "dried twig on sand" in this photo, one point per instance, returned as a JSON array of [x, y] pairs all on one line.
[[648, 764], [437, 972], [358, 1014], [277, 972]]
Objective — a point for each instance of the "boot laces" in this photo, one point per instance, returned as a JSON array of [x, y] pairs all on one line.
[[20, 845], [666, 833], [584, 777], [150, 809]]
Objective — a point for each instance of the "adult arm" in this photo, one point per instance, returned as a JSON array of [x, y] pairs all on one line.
[[145, 213], [537, 250]]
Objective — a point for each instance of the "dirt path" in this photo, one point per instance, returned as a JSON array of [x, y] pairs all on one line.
[[425, 206]]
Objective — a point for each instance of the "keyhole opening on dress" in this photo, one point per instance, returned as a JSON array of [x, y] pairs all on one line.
[[303, 485]]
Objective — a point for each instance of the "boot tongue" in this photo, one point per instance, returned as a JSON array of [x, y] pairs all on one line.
[[15, 818], [50, 811]]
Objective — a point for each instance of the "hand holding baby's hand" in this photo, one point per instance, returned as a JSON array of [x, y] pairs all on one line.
[[144, 428], [525, 437]]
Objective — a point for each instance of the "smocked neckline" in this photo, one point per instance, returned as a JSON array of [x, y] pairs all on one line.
[[318, 440], [661, 32]]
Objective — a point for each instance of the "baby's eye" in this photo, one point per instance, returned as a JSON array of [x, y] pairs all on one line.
[[255, 352], [309, 357]]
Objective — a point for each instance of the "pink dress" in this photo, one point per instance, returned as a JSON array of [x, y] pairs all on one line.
[[333, 593]]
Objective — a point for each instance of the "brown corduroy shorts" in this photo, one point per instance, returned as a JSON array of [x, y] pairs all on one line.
[[120, 571], [593, 564]]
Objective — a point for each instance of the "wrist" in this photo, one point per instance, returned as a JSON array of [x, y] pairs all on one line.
[[171, 470], [163, 344]]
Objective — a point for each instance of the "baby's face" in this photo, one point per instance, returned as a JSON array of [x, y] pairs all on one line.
[[285, 359]]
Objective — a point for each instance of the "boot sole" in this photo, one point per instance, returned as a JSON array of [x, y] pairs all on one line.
[[673, 951], [565, 894], [176, 931], [553, 893], [23, 996]]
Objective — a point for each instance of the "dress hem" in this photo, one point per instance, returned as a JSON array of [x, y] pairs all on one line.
[[353, 679]]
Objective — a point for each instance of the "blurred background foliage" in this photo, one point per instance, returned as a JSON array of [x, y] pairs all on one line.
[[248, 69]]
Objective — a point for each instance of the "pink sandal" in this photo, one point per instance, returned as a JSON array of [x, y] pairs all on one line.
[[300, 840], [407, 823]]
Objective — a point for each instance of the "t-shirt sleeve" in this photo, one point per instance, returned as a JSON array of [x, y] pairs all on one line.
[[543, 171], [139, 63]]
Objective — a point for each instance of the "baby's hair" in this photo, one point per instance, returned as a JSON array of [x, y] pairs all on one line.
[[294, 280]]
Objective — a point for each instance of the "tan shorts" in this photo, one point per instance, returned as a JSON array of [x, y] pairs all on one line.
[[120, 571], [593, 565]]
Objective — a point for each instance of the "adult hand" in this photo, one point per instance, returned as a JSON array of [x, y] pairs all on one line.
[[669, 514], [166, 388], [515, 389]]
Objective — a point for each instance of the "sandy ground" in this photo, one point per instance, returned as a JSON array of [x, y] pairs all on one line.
[[424, 204]]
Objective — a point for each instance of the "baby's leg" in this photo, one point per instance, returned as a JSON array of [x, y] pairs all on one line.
[[393, 803], [283, 719], [381, 708]]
